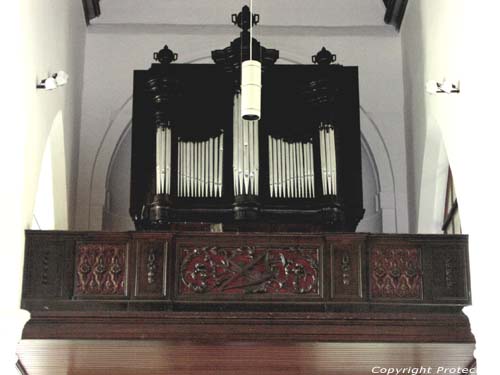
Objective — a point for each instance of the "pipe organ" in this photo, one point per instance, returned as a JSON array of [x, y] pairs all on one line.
[[245, 152], [163, 159], [195, 160], [328, 159], [199, 167], [291, 169]]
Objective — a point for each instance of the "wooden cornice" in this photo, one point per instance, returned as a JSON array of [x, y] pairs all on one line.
[[91, 9], [395, 12]]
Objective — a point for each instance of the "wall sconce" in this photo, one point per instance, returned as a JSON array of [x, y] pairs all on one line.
[[54, 81], [445, 87]]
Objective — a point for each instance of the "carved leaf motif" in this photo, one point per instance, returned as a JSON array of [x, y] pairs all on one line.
[[395, 273], [346, 269], [151, 266], [100, 269], [249, 270]]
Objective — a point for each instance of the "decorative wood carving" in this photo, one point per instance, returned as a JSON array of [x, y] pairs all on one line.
[[396, 273], [151, 266], [449, 273], [100, 270], [150, 274], [346, 269], [244, 272], [346, 260], [45, 267], [44, 272], [241, 270]]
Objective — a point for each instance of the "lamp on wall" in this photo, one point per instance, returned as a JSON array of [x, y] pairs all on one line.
[[47, 84], [54, 81], [61, 78], [444, 87], [251, 82]]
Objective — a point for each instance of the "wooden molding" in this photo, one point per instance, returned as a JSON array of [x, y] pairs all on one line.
[[395, 12], [92, 9], [250, 326]]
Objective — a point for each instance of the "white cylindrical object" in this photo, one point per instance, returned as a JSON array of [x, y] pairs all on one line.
[[169, 159], [190, 154], [200, 169], [271, 170], [179, 158], [311, 168], [300, 168], [211, 166], [293, 174], [236, 116], [158, 158], [279, 158], [252, 157], [221, 155], [256, 153], [328, 162], [333, 162], [322, 158], [251, 85]]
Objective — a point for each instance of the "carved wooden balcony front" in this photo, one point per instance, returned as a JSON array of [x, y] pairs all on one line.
[[250, 271]]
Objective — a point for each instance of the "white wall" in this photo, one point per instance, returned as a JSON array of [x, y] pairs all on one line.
[[38, 37], [114, 51], [457, 39]]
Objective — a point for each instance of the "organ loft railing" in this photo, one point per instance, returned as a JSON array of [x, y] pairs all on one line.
[[195, 160]]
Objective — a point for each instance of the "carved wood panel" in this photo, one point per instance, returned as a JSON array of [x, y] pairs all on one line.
[[151, 269], [395, 273], [449, 274], [44, 269], [101, 269], [346, 268], [248, 270]]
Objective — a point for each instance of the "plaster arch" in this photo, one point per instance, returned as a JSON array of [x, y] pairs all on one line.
[[371, 138]]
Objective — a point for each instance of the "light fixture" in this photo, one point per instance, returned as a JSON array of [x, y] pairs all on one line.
[[61, 78], [251, 82], [446, 87], [54, 81], [47, 84]]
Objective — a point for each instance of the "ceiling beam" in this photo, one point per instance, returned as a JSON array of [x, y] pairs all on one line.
[[91, 9], [395, 12]]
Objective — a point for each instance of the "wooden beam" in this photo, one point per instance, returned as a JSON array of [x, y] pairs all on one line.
[[91, 9], [395, 12]]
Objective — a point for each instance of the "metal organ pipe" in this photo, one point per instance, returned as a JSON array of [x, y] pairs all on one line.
[[328, 159], [200, 167], [245, 153], [291, 169], [163, 159]]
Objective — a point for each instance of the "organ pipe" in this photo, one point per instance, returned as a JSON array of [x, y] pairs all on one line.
[[328, 159], [291, 169], [200, 167], [245, 153], [163, 159]]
